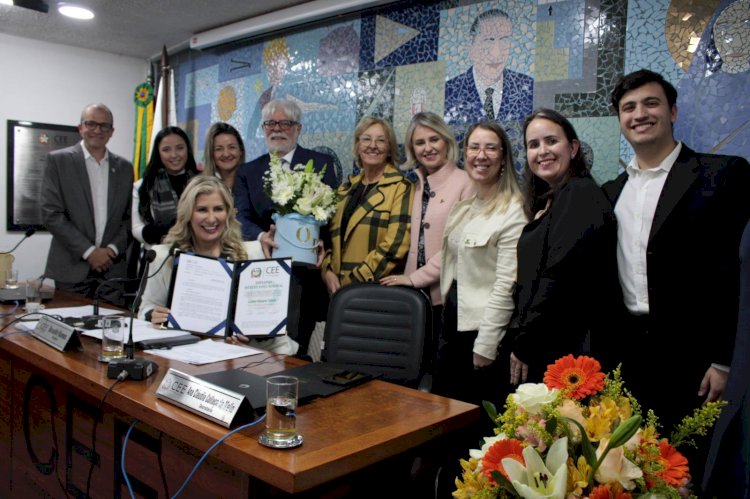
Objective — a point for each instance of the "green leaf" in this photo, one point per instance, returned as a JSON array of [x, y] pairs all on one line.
[[624, 431], [490, 409], [588, 450], [551, 426], [503, 482]]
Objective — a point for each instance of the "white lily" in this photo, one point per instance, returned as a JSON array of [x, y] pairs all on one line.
[[538, 480], [616, 467]]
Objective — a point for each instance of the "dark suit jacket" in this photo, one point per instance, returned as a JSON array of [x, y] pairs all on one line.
[[728, 465], [254, 207], [463, 104], [68, 213], [567, 283], [692, 270]]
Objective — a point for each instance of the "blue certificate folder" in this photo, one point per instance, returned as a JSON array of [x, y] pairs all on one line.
[[211, 296]]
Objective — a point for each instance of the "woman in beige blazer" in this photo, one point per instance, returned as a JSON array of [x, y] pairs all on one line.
[[478, 270]]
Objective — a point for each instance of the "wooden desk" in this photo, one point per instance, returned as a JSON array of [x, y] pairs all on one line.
[[58, 394]]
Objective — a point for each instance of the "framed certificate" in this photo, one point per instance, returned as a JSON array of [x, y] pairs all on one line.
[[28, 146]]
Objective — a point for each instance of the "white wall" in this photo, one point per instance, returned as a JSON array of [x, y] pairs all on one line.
[[49, 83]]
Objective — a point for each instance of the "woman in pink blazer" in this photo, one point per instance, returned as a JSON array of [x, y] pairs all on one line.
[[431, 151]]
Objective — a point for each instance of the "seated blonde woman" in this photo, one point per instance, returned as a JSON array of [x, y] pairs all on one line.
[[206, 225]]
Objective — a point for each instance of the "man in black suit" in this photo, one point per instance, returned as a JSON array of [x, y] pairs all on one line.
[[85, 199], [281, 126], [728, 465], [680, 217]]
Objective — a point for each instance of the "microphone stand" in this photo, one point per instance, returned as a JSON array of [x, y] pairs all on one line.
[[130, 345], [108, 283], [136, 368], [29, 232]]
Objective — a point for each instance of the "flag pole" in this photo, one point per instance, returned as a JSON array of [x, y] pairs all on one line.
[[166, 71]]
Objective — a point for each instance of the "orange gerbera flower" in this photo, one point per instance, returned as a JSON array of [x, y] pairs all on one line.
[[579, 376], [604, 492], [493, 458], [675, 465]]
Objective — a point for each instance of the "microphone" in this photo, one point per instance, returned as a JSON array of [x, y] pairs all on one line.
[[29, 232], [137, 368], [109, 283]]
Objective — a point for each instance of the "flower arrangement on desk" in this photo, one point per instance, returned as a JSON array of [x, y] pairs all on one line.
[[299, 189], [580, 435]]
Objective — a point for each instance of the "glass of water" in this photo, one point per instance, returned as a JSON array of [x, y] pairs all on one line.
[[11, 279], [33, 296], [281, 413], [113, 339]]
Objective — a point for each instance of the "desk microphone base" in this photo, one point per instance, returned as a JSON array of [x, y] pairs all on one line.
[[137, 369]]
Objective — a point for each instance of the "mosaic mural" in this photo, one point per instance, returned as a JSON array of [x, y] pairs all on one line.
[[477, 60]]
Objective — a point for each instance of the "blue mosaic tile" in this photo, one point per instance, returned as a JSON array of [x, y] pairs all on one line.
[[397, 59], [646, 45], [610, 59], [237, 62], [196, 123], [339, 145], [455, 24], [418, 88], [375, 90], [338, 51], [492, 51], [601, 136], [423, 19], [714, 97], [196, 88], [568, 20], [545, 90]]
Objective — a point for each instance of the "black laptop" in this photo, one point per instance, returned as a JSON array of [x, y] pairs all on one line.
[[311, 382]]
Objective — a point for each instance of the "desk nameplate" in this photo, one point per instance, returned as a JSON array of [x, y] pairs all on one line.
[[56, 334], [205, 399]]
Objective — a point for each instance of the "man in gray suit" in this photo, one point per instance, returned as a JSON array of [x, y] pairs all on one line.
[[86, 195]]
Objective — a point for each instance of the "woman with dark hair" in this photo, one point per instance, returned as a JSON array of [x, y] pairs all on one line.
[[567, 282], [223, 153], [156, 195], [478, 269]]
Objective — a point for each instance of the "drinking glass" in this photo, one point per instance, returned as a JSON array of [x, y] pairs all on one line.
[[113, 336], [281, 413]]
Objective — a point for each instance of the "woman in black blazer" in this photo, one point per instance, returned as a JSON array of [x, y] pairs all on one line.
[[567, 282]]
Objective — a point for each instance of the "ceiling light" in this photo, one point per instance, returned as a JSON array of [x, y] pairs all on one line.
[[74, 11]]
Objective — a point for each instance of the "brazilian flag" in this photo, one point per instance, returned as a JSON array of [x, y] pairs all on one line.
[[144, 122]]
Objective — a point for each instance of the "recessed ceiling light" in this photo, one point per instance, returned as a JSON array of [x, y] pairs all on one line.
[[74, 11]]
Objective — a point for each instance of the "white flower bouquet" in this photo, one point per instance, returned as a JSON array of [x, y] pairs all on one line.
[[299, 190]]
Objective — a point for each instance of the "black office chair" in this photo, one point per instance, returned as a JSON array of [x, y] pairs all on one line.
[[381, 330]]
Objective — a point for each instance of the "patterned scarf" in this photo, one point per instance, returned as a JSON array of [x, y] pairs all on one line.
[[164, 199]]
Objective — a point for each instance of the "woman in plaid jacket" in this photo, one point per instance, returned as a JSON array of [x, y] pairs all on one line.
[[370, 230]]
